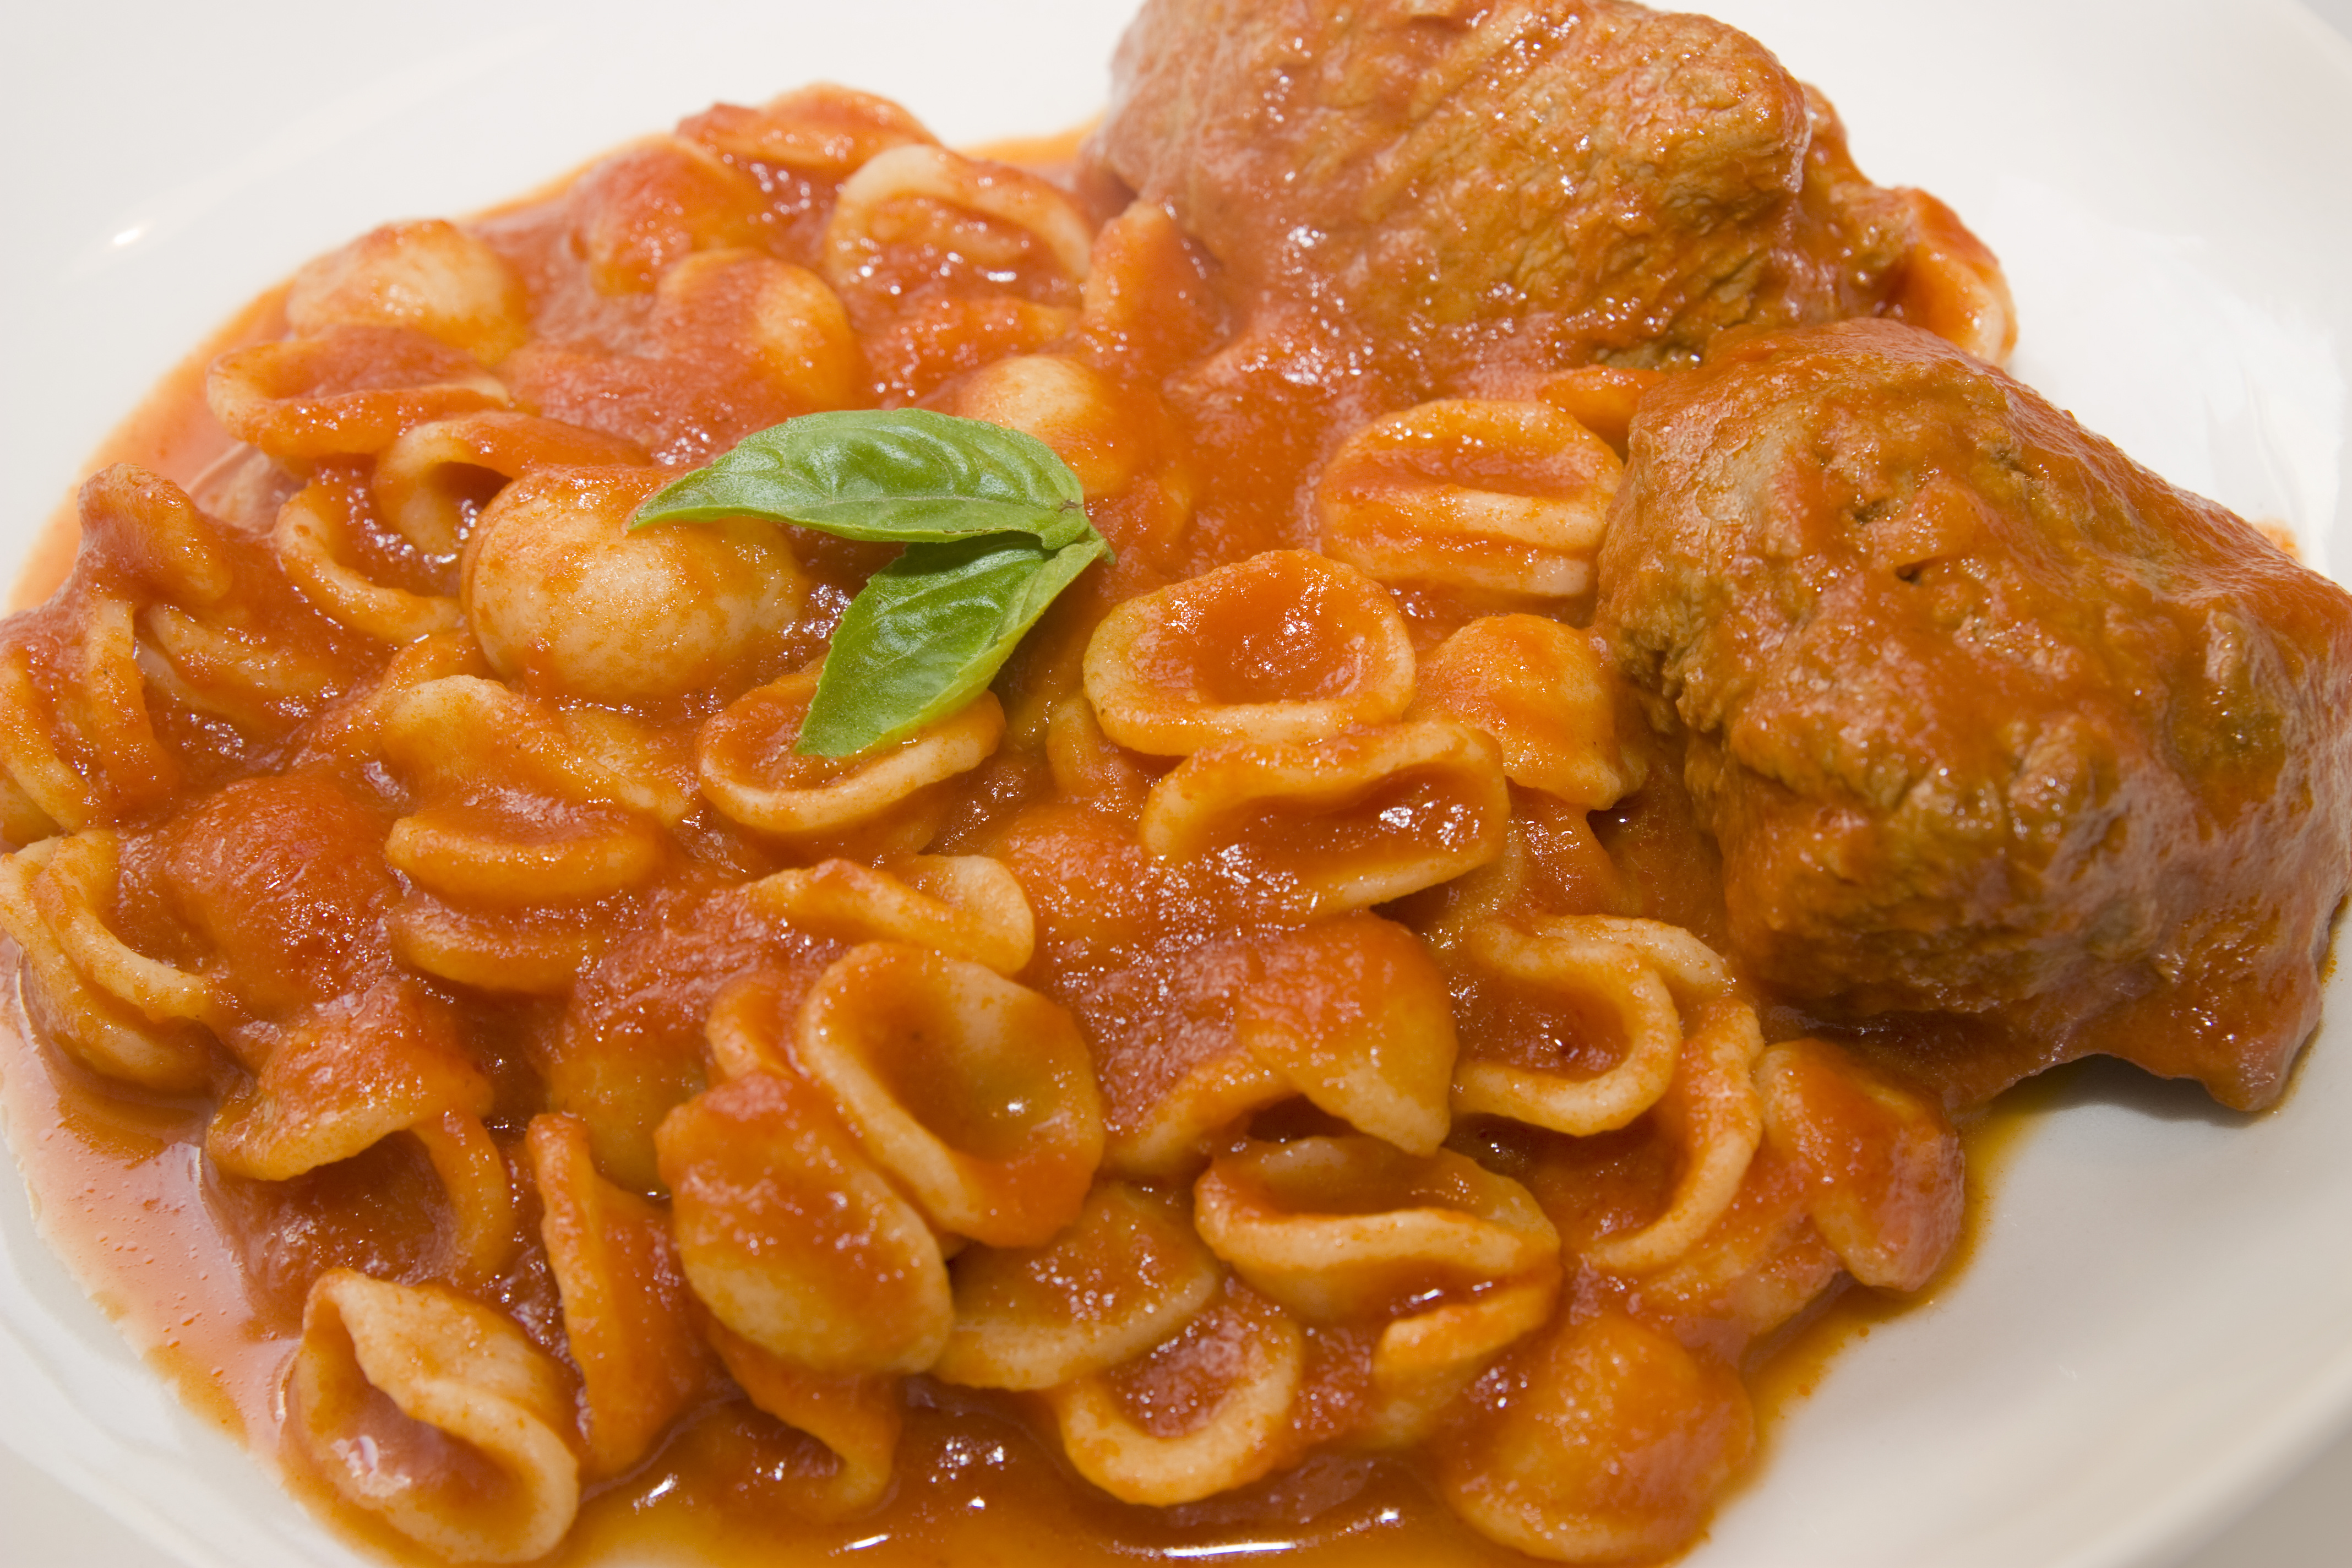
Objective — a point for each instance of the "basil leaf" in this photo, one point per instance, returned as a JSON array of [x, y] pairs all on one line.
[[896, 475], [929, 632]]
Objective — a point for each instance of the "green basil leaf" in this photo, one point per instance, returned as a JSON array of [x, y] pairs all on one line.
[[929, 632], [896, 475]]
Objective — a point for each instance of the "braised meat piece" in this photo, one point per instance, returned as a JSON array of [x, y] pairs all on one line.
[[1536, 183], [1988, 721]]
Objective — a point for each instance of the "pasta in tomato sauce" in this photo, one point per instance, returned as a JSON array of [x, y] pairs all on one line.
[[1287, 1055]]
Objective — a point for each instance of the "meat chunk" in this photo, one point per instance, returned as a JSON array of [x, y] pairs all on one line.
[[1988, 721], [1535, 181]]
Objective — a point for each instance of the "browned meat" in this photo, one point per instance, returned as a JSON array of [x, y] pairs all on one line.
[[1551, 181], [1987, 720]]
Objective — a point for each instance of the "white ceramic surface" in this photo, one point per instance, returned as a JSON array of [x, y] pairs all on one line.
[[2158, 1326]]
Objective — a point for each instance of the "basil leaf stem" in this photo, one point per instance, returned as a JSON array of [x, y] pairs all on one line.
[[994, 526]]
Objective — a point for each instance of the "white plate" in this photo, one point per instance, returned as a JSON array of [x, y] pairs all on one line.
[[2160, 1322]]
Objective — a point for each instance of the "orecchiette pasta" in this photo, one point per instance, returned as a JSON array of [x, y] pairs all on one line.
[[627, 1317], [751, 773], [916, 193], [975, 1092], [854, 1416], [439, 1413], [559, 590], [1638, 975], [1128, 1273], [1540, 688], [1284, 646], [822, 131], [642, 211], [1505, 496], [964, 906], [430, 275], [1354, 820], [793, 1241], [349, 389], [1610, 1447], [1203, 1412], [429, 484], [1334, 1229]]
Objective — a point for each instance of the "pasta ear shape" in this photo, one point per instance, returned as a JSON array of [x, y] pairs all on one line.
[[964, 906], [312, 538], [1541, 690], [556, 585], [1067, 404], [1881, 1164], [1421, 1364], [977, 1094], [750, 772], [1713, 1115], [114, 1010], [822, 131], [1283, 646], [1353, 820], [794, 1241], [1335, 1229], [1349, 1014], [1611, 1446], [1128, 1273], [915, 186], [1239, 1364], [857, 1418], [424, 482], [428, 275], [347, 389], [1639, 975], [1510, 496], [346, 1073], [438, 1414], [627, 1312]]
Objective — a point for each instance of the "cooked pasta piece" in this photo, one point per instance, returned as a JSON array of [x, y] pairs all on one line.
[[139, 1023], [1349, 1014], [627, 1320], [1601, 398], [1064, 402], [349, 1071], [784, 319], [1713, 1116], [1149, 305], [313, 544], [1203, 1412], [437, 1414], [1422, 1364], [484, 1235], [640, 212], [429, 484], [964, 906], [1353, 820], [1953, 285], [1088, 766], [1881, 1164], [430, 275], [1284, 646], [855, 1416], [1340, 1228], [917, 193], [1645, 978], [561, 592], [975, 1092], [822, 131], [795, 1242], [1611, 1445], [1127, 1274], [347, 389], [1543, 691], [885, 793], [1510, 496]]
